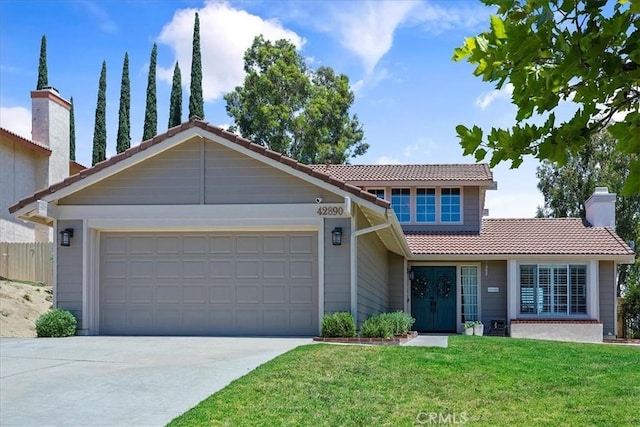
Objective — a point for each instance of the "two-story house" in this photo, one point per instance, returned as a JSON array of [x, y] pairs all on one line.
[[201, 232], [29, 165]]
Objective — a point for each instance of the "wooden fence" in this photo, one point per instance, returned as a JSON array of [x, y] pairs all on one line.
[[31, 262]]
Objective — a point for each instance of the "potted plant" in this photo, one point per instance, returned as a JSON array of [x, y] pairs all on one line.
[[478, 328], [468, 328]]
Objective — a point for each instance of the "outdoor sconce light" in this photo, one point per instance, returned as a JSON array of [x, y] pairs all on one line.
[[65, 237], [411, 275], [336, 236]]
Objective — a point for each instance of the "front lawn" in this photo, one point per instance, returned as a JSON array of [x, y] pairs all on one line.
[[476, 381]]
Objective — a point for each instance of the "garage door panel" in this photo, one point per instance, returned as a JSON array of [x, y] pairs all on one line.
[[222, 269], [209, 284], [274, 269], [301, 294], [142, 246], [274, 294], [221, 294], [168, 294], [302, 269], [168, 269], [141, 294], [168, 246], [141, 269], [248, 245]]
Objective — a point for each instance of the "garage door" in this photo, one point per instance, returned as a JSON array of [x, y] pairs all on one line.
[[208, 284]]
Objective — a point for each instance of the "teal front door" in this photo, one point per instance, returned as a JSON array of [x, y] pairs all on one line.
[[433, 299]]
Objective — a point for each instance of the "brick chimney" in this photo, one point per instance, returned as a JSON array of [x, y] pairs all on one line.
[[601, 208], [50, 127]]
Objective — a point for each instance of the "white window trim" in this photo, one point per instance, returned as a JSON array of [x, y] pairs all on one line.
[[592, 291], [413, 199]]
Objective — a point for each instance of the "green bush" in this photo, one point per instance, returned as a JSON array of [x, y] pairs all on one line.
[[339, 324], [386, 325], [377, 327], [400, 322], [56, 323]]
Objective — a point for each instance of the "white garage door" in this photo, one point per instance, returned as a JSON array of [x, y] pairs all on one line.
[[209, 284]]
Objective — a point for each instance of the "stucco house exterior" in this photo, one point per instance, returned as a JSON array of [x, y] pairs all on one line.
[[27, 166], [201, 232]]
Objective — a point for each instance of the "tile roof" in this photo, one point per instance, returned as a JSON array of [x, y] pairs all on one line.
[[231, 137], [449, 172], [531, 236], [25, 142]]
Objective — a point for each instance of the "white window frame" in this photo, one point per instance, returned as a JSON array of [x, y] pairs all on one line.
[[384, 192], [439, 205], [537, 314], [411, 202]]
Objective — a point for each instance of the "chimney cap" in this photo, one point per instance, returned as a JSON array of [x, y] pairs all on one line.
[[51, 88], [601, 190]]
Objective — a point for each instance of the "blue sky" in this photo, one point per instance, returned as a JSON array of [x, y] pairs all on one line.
[[409, 94]]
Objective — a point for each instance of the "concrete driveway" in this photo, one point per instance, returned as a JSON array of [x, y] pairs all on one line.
[[121, 381]]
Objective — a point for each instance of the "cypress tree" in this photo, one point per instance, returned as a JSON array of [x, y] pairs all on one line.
[[43, 80], [100, 128], [72, 133], [196, 103], [151, 112], [124, 115], [175, 106]]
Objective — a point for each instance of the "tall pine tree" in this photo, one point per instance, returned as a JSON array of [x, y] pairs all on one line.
[[72, 132], [196, 103], [43, 79], [124, 115], [151, 111], [100, 127], [175, 106]]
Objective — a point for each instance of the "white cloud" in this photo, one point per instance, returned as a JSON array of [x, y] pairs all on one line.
[[437, 19], [17, 120], [387, 160], [225, 34], [513, 204], [105, 23], [420, 152], [488, 98], [367, 28]]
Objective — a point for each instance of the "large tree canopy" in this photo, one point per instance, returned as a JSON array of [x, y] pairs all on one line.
[[290, 108], [566, 188], [583, 51]]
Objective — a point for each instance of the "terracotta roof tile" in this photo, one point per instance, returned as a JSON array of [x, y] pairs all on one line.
[[448, 172], [218, 131], [27, 143], [531, 236]]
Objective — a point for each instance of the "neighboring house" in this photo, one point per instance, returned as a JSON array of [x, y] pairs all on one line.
[[27, 166], [201, 232]]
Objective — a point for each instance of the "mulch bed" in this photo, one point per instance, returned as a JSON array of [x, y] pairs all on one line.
[[397, 340]]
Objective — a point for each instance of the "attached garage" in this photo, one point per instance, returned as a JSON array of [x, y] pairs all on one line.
[[244, 283]]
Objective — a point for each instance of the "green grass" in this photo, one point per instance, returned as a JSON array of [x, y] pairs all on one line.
[[482, 381]]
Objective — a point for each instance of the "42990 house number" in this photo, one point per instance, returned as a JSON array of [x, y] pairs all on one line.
[[330, 210]]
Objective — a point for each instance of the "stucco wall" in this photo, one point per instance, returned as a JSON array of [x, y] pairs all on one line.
[[22, 172]]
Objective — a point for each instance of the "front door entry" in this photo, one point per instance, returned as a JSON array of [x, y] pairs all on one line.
[[433, 299]]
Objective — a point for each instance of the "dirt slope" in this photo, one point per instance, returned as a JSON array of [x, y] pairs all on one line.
[[20, 305]]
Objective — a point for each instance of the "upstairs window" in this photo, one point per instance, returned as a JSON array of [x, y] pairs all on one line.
[[401, 203], [450, 205], [426, 205], [378, 192]]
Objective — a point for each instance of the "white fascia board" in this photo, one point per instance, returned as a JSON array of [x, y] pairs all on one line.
[[531, 258], [196, 212], [489, 184]]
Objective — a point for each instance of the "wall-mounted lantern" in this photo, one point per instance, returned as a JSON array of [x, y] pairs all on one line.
[[65, 237], [336, 236], [411, 275]]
